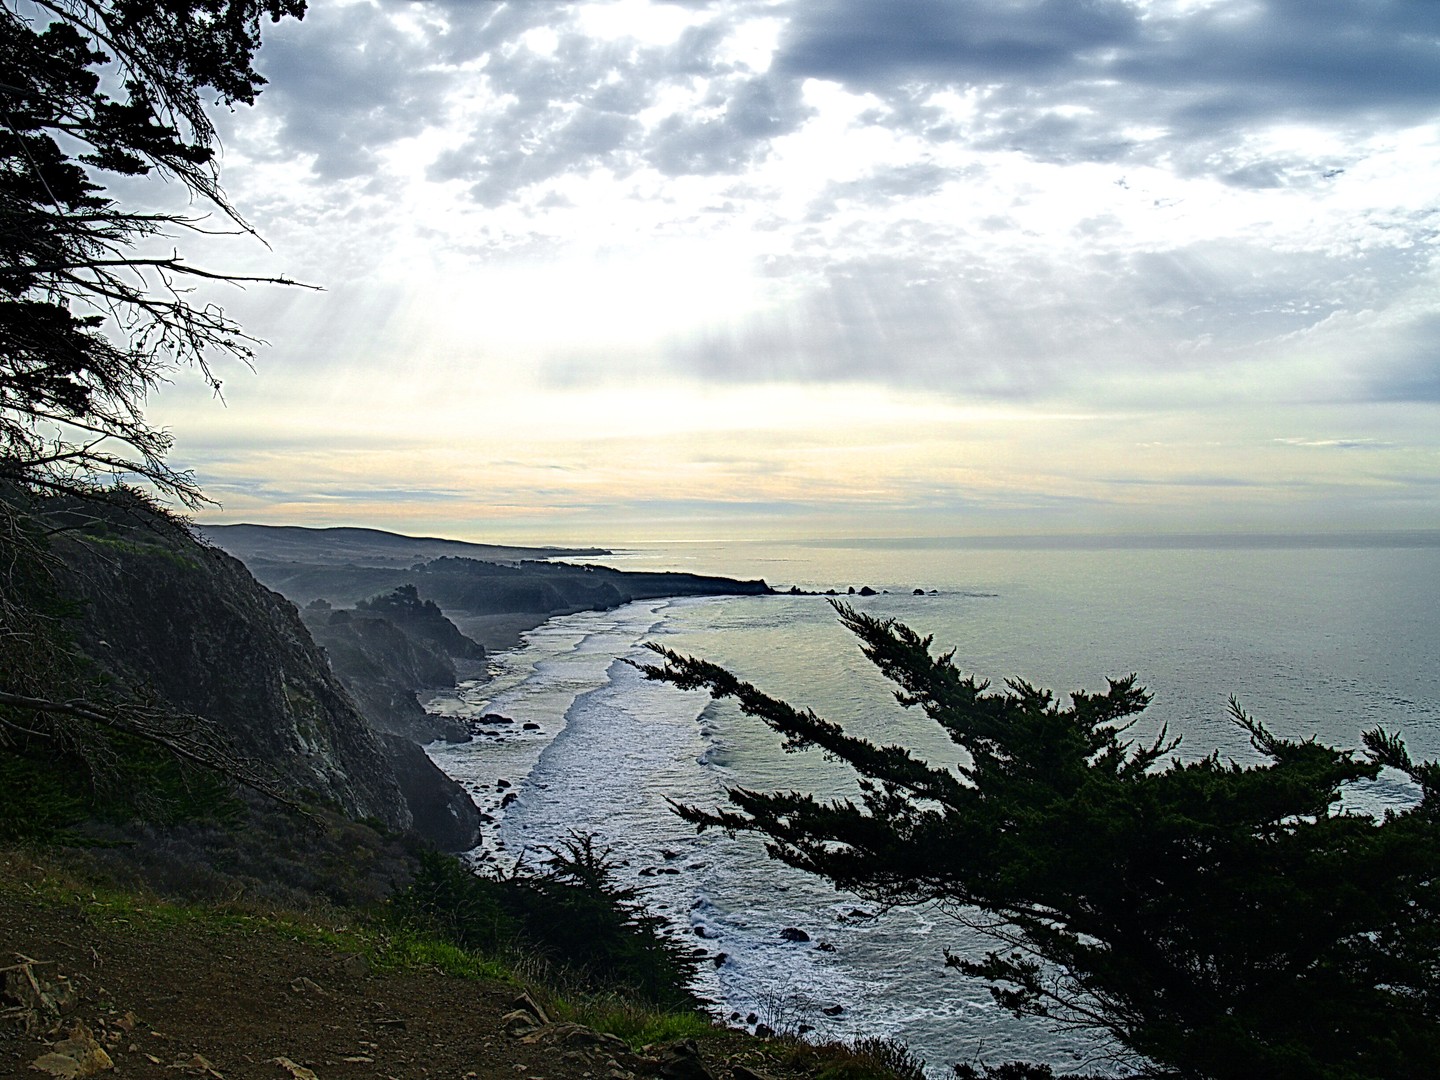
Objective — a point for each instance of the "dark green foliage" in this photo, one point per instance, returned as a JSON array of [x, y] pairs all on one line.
[[874, 1059], [423, 620], [48, 795], [36, 800], [460, 904], [571, 911], [88, 326], [575, 908], [1216, 919]]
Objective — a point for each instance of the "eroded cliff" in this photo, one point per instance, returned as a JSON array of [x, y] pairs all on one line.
[[165, 616]]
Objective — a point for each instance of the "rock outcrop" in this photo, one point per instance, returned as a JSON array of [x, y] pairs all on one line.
[[383, 665], [440, 809], [424, 622]]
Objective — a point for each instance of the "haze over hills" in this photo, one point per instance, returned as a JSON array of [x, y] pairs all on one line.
[[492, 593], [366, 547]]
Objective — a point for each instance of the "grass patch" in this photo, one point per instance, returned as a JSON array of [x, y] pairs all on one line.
[[632, 1021], [68, 882], [405, 949], [140, 549], [342, 931]]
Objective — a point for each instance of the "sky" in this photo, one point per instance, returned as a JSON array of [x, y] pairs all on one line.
[[620, 270]]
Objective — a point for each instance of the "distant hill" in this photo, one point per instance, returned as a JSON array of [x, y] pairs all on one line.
[[492, 593], [364, 547]]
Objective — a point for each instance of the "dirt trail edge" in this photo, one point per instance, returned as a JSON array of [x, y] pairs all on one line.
[[109, 996]]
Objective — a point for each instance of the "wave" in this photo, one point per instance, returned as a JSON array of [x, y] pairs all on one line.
[[610, 749]]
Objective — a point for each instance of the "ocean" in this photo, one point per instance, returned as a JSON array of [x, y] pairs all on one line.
[[1313, 641]]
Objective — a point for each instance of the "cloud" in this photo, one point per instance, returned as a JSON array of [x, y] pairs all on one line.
[[1408, 365], [1117, 81], [980, 316], [897, 321], [527, 93], [744, 115], [886, 185], [1209, 213], [899, 43], [574, 103], [1339, 444], [346, 83]]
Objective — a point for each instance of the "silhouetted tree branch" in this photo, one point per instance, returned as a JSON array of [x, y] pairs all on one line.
[[1215, 919], [93, 318], [89, 324]]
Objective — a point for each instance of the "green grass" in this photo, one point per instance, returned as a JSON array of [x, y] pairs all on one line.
[[388, 947], [638, 1024], [348, 932], [42, 876], [142, 549], [400, 950]]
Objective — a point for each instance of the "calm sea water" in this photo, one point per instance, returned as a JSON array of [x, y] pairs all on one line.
[[1313, 641]]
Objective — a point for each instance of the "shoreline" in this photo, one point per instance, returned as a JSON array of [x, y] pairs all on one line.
[[501, 631]]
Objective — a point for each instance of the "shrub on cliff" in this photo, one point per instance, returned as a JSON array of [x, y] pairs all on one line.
[[571, 912], [1215, 919]]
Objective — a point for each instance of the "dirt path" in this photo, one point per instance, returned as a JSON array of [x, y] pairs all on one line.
[[167, 1002]]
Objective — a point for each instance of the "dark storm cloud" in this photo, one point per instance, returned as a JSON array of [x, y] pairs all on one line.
[[1204, 77], [875, 45], [1059, 80], [1298, 57]]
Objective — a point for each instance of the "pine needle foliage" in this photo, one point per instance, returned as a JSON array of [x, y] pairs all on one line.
[[95, 312], [98, 309], [594, 931], [1215, 919]]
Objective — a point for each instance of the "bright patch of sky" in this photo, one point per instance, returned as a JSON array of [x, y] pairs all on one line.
[[610, 271]]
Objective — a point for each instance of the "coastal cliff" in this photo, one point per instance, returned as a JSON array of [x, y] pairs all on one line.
[[323, 706], [387, 649], [491, 594], [166, 618]]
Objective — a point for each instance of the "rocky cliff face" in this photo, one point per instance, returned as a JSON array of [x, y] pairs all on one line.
[[382, 665], [425, 623], [190, 625]]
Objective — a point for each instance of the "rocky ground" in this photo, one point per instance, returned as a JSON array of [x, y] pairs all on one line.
[[92, 990]]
